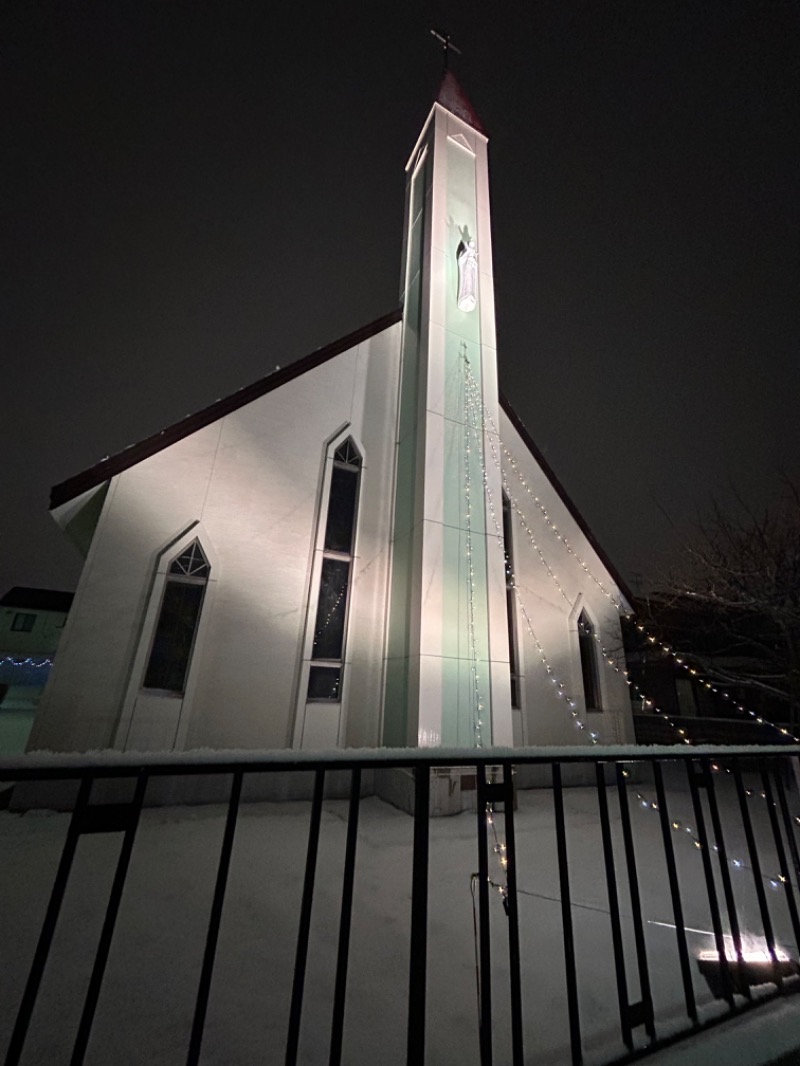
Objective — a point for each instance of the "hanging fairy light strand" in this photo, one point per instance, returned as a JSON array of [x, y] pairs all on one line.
[[651, 639], [679, 660], [543, 509], [470, 575], [476, 424], [478, 405], [609, 661], [775, 881], [37, 663], [607, 657], [512, 462], [331, 613]]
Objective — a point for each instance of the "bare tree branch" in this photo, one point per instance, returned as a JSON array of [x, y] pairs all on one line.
[[734, 605]]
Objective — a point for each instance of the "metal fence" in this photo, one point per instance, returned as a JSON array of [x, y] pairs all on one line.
[[714, 832]]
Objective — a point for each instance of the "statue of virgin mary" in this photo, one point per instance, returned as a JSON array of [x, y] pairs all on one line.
[[467, 259]]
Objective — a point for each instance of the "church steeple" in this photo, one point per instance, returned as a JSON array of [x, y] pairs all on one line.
[[447, 668]]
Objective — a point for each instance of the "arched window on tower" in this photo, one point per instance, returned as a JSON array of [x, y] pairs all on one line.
[[327, 652], [178, 617], [587, 646]]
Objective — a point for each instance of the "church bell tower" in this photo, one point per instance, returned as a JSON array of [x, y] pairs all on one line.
[[447, 667]]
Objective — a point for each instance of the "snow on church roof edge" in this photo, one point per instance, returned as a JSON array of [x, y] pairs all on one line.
[[156, 442], [135, 453]]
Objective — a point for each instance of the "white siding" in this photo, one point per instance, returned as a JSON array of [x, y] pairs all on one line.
[[252, 481], [553, 616]]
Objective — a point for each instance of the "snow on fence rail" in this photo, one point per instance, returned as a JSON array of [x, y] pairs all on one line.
[[553, 924]]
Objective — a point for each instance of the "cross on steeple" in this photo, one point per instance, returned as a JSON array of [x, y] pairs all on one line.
[[447, 47]]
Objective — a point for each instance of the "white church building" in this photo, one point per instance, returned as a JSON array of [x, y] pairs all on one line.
[[363, 549]]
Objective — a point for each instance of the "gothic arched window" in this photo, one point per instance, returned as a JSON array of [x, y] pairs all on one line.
[[178, 617], [587, 646], [327, 651]]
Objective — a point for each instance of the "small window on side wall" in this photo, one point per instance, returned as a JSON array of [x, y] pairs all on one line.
[[178, 618], [587, 646]]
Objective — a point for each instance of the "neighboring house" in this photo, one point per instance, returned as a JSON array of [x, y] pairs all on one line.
[[365, 548], [716, 688], [31, 624]]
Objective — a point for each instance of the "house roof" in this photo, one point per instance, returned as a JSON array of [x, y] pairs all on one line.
[[37, 599], [135, 453]]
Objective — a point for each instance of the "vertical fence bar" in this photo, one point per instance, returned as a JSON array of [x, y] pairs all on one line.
[[675, 893], [512, 903], [104, 944], [713, 905], [756, 867], [787, 825], [215, 918], [724, 869], [781, 853], [340, 988], [485, 1015], [613, 907], [88, 818], [48, 926], [417, 970], [636, 905], [304, 927], [566, 919]]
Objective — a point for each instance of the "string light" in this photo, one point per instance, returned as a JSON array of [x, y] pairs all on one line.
[[512, 462], [37, 663], [737, 864], [560, 689], [723, 693], [608, 659], [536, 499], [476, 693], [331, 613]]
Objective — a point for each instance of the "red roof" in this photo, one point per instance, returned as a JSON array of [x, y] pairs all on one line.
[[453, 98]]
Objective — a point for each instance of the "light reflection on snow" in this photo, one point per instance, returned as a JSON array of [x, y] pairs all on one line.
[[754, 948]]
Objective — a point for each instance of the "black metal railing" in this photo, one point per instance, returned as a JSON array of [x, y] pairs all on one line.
[[582, 861]]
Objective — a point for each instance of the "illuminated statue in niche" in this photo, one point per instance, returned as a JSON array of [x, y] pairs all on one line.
[[467, 259]]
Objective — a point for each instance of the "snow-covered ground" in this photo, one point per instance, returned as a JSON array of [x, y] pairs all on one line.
[[147, 1001]]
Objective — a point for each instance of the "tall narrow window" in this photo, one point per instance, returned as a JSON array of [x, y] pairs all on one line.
[[327, 652], [511, 606], [586, 644], [176, 629]]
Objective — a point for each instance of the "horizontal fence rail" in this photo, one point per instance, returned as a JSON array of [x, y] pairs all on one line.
[[611, 902]]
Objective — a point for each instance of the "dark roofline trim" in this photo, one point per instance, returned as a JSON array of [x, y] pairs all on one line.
[[34, 599], [135, 453], [562, 492]]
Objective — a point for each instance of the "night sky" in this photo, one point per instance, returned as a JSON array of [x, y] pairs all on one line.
[[198, 192]]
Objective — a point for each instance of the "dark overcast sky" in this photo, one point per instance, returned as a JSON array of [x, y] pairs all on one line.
[[198, 192]]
